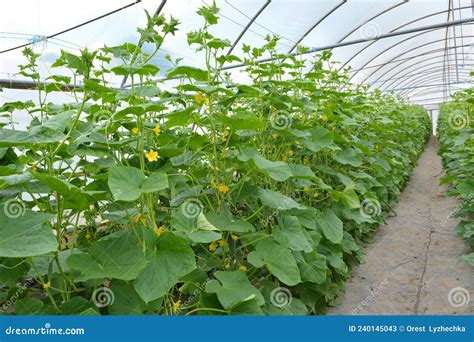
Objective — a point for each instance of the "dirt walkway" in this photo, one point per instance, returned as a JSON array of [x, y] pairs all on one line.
[[414, 262]]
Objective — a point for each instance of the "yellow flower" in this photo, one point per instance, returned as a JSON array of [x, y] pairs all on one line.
[[152, 156], [47, 286], [159, 231], [305, 160], [306, 188], [198, 98], [324, 117], [290, 153], [223, 188], [176, 306], [243, 268], [274, 135], [212, 247], [222, 243], [207, 101], [234, 237], [135, 130], [157, 129], [88, 236], [34, 168]]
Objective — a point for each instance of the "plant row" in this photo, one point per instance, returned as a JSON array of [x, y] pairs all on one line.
[[213, 197], [456, 136]]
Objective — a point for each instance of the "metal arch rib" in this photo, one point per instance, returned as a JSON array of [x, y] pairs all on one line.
[[391, 47], [406, 70], [407, 77], [405, 52], [248, 26], [421, 80], [397, 28], [372, 18], [435, 85], [316, 25], [140, 44], [398, 82]]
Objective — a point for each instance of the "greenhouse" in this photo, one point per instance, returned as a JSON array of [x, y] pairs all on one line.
[[236, 157]]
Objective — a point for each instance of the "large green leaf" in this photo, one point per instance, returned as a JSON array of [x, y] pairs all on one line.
[[173, 259], [127, 183], [119, 255], [276, 200], [289, 233], [24, 233], [190, 72], [224, 223], [312, 267], [233, 288], [331, 226], [348, 156], [278, 259]]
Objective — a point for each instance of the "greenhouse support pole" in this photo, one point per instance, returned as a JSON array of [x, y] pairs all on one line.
[[248, 26], [358, 41]]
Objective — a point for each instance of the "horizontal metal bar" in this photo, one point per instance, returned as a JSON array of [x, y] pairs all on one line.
[[358, 41]]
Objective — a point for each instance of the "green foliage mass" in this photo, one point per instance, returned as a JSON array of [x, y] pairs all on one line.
[[207, 198]]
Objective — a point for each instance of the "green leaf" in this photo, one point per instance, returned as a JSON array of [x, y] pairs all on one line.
[[233, 288], [331, 226], [127, 183], [24, 233], [119, 255], [126, 301], [173, 259], [188, 72], [289, 233], [279, 171], [276, 200], [348, 156], [224, 223], [312, 267], [278, 259], [136, 69]]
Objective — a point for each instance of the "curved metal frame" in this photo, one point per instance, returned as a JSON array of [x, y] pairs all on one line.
[[251, 21], [405, 78], [405, 52], [409, 69], [393, 46], [435, 85], [372, 18], [400, 81], [421, 80], [316, 25], [399, 27]]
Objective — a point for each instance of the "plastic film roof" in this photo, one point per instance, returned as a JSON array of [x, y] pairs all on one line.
[[424, 65]]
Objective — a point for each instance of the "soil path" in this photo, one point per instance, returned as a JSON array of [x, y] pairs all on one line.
[[414, 265]]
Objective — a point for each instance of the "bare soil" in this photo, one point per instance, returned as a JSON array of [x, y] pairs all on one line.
[[415, 260]]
